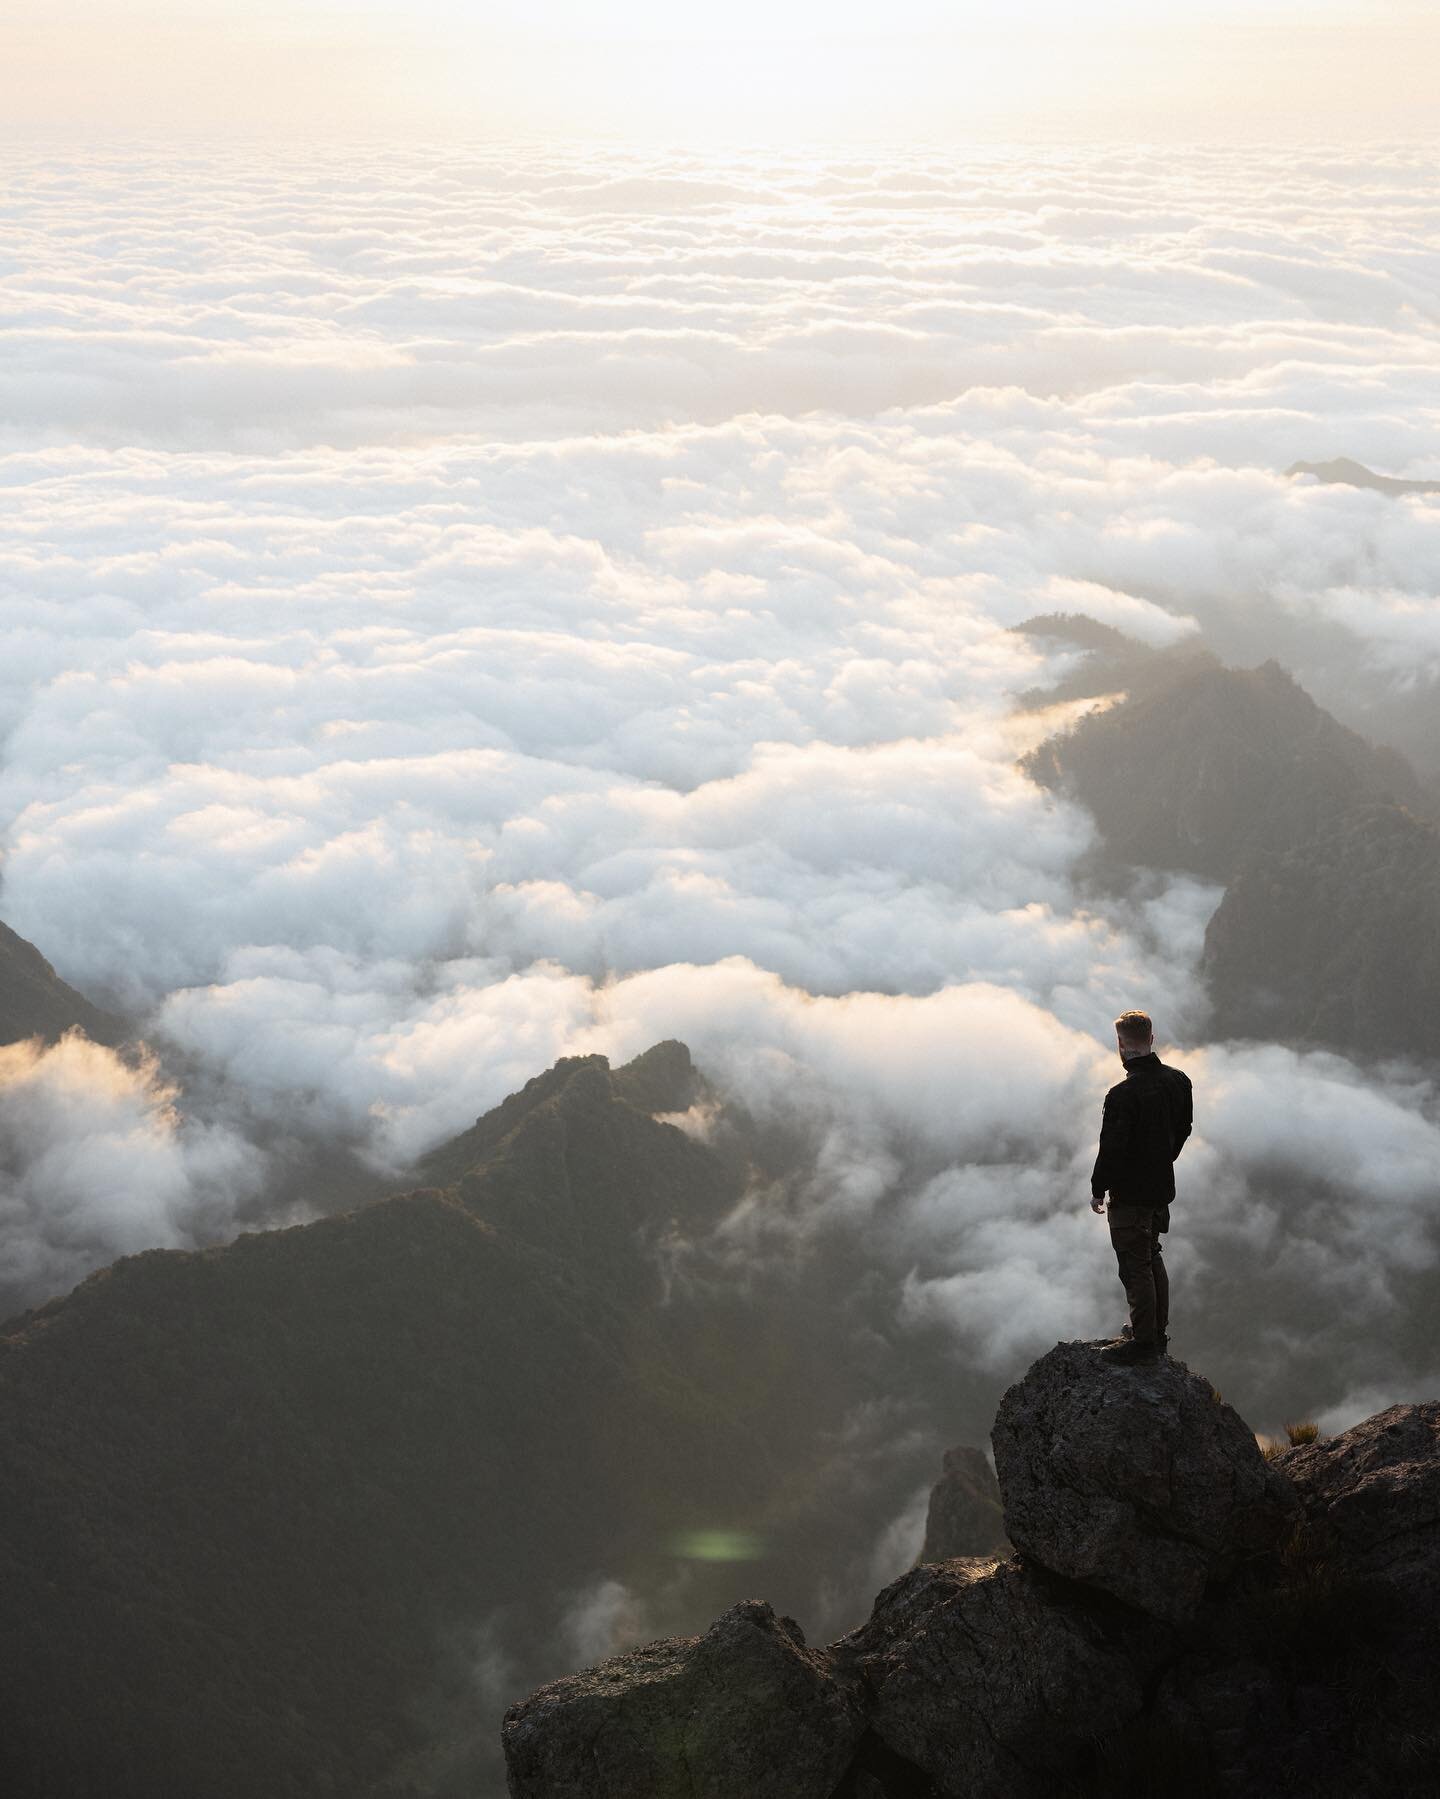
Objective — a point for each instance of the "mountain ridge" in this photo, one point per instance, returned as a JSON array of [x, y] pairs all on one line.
[[1345, 471], [277, 1485], [35, 1002], [401, 1369], [1238, 776]]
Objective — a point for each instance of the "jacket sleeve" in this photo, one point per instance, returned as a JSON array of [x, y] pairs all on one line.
[[1115, 1127], [1182, 1116]]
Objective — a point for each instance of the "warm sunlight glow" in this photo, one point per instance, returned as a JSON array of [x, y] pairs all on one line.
[[783, 72]]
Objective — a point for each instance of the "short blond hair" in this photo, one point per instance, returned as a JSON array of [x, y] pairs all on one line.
[[1134, 1027]]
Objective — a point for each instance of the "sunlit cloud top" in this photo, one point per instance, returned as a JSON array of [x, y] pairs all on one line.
[[785, 71]]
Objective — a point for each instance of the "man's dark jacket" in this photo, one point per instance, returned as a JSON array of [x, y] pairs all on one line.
[[1147, 1119]]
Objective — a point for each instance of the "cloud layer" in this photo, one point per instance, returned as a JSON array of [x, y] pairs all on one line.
[[469, 606]]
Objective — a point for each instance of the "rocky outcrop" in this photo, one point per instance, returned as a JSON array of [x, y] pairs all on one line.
[[746, 1709], [1183, 1617], [987, 1679], [1137, 1480], [964, 1514], [1375, 1493]]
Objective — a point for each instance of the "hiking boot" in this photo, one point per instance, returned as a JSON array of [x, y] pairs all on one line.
[[1132, 1354], [1162, 1341]]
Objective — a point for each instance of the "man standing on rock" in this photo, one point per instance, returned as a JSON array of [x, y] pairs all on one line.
[[1147, 1119]]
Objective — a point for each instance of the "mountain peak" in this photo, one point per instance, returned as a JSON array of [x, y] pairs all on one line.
[[662, 1079]]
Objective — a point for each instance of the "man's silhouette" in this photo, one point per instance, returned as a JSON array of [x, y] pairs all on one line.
[[1147, 1119]]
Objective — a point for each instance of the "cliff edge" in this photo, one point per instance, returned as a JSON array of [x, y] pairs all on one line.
[[1183, 1614]]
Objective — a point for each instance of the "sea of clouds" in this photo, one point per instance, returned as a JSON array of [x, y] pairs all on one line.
[[464, 607]]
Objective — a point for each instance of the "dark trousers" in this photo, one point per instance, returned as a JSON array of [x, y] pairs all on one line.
[[1135, 1236]]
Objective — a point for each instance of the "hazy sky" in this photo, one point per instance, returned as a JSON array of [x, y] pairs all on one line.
[[784, 69]]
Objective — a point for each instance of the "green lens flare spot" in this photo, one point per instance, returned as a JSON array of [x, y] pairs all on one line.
[[717, 1546]]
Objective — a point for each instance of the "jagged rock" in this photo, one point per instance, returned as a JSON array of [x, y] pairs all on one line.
[[1139, 1481], [1376, 1491], [964, 1516], [1131, 1494], [991, 1680], [744, 1712]]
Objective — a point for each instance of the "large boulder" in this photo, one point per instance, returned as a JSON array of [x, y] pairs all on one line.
[[964, 1516], [744, 1712], [1133, 1493], [1138, 1480], [1375, 1492], [991, 1681]]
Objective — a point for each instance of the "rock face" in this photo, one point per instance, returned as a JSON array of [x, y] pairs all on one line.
[[987, 1679], [964, 1516], [1376, 1490], [744, 1712], [1138, 1481]]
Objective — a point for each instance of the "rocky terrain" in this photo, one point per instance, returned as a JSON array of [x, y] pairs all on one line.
[[964, 1516], [1183, 1615]]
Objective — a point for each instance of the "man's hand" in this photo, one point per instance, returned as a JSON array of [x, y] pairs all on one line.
[[1098, 1205]]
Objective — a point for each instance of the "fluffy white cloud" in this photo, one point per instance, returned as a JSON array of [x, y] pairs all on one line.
[[97, 1161], [467, 607], [1314, 1177]]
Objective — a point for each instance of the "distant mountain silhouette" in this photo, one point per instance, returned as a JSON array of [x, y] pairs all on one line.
[[1342, 471], [1111, 661], [1214, 764], [1329, 931], [35, 1002]]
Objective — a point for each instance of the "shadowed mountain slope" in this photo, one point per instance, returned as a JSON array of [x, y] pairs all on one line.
[[1329, 930], [1216, 764], [1335, 940], [254, 1497], [300, 1515], [35, 1002]]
